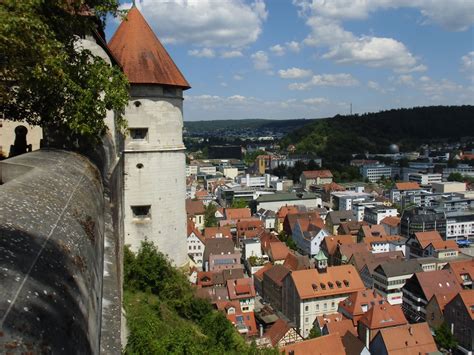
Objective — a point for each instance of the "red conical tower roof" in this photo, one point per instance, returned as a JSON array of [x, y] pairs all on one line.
[[141, 54]]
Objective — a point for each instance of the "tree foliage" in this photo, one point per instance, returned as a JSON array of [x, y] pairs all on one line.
[[210, 219], [444, 338], [315, 332], [47, 78], [239, 203]]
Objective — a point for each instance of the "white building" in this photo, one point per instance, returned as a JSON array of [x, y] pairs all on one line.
[[195, 245], [425, 179], [154, 160], [375, 172], [449, 186], [375, 214], [460, 225], [308, 237]]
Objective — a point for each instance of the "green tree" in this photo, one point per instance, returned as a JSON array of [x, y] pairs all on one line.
[[315, 332], [210, 219], [444, 338], [47, 80], [456, 177], [239, 203]]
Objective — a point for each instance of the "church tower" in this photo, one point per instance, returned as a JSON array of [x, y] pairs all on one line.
[[153, 153]]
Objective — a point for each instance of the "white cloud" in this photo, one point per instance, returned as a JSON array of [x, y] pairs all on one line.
[[325, 20], [231, 54], [293, 46], [341, 80], [208, 23], [202, 53], [455, 15], [277, 50], [294, 73], [238, 77], [260, 61], [405, 79], [375, 86], [467, 63], [316, 101]]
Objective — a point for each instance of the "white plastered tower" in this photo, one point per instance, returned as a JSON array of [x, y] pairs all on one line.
[[153, 155]]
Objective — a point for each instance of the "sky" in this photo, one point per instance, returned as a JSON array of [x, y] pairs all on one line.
[[285, 59]]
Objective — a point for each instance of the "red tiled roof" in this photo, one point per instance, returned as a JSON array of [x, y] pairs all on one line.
[[391, 221], [403, 186], [278, 251], [408, 339], [336, 280], [375, 230], [445, 244], [437, 282], [192, 229], [141, 54], [342, 327], [240, 288], [297, 262], [332, 241], [212, 232], [277, 273], [277, 331], [194, 207], [313, 174], [426, 238], [284, 210], [325, 345], [461, 268], [259, 274], [353, 304], [237, 213], [248, 319], [383, 316]]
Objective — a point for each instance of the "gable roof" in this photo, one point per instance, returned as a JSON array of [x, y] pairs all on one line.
[[426, 238], [337, 217], [383, 315], [278, 251], [462, 269], [395, 268], [336, 280], [408, 339], [218, 246], [297, 262], [192, 229], [240, 288], [314, 174], [325, 345], [391, 221], [375, 230], [342, 327], [439, 282], [332, 241], [277, 331], [143, 58], [277, 273], [348, 250], [305, 219], [284, 210], [237, 213], [211, 232], [351, 227], [194, 207], [259, 274], [353, 304], [403, 186]]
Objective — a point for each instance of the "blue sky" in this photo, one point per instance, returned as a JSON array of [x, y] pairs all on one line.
[[287, 59]]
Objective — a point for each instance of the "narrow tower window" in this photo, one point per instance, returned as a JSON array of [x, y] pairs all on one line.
[[139, 133], [141, 212]]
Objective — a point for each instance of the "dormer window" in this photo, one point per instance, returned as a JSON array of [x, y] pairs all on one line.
[[323, 286], [331, 285], [338, 283], [346, 283]]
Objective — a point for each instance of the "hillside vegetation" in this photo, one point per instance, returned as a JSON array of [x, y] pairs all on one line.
[[164, 316], [335, 139], [251, 124]]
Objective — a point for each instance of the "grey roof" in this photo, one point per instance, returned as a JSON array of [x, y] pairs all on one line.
[[337, 217], [399, 268], [287, 196], [218, 246]]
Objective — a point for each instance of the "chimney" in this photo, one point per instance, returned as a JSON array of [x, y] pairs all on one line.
[[261, 331]]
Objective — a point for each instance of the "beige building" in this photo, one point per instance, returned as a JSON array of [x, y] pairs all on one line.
[[310, 293]]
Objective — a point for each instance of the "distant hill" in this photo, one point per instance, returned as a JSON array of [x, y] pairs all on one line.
[[336, 138], [216, 126]]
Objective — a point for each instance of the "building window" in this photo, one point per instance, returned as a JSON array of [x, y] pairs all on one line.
[[139, 133], [306, 308], [141, 212]]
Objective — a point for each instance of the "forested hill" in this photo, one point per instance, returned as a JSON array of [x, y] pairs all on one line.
[[337, 138], [216, 126]]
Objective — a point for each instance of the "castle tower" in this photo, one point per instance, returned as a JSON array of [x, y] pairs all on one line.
[[154, 160]]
